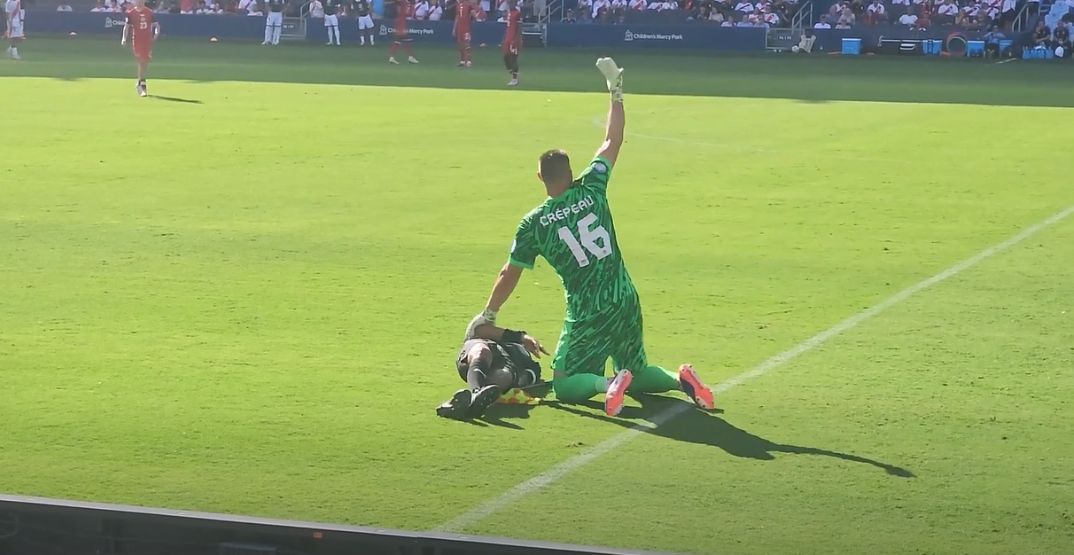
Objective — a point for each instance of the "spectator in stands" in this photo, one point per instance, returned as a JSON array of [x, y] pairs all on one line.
[[619, 8], [436, 12], [569, 17], [908, 19], [963, 17], [599, 5], [729, 21], [1061, 39], [836, 9], [992, 11], [638, 5], [100, 7], [421, 10], [946, 12], [846, 18], [1008, 10], [1042, 35], [583, 10], [876, 13], [783, 9], [992, 39], [716, 16], [316, 9], [64, 7], [823, 23]]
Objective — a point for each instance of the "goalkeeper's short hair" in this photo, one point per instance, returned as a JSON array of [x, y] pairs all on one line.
[[555, 164]]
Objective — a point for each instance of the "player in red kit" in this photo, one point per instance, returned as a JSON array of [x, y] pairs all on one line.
[[401, 38], [512, 41], [142, 31], [461, 31]]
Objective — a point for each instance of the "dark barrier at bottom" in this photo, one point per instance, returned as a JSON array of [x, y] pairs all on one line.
[[30, 525]]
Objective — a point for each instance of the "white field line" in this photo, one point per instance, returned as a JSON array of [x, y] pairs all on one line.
[[560, 470]]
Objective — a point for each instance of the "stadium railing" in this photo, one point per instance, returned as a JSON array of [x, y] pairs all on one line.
[[33, 526]]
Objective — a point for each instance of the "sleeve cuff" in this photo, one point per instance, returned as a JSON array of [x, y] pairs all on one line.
[[518, 263]]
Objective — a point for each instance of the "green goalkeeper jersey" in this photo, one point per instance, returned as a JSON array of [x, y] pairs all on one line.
[[575, 234]]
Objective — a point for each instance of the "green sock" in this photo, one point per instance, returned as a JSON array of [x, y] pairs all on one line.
[[579, 387], [653, 379]]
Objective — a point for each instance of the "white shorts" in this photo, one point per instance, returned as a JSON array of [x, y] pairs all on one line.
[[331, 21], [16, 31], [365, 22], [274, 19]]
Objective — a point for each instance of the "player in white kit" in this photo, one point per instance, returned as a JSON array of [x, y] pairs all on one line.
[[14, 31], [274, 22], [364, 11]]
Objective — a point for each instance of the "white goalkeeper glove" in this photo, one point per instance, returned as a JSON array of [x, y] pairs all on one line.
[[486, 317], [613, 74]]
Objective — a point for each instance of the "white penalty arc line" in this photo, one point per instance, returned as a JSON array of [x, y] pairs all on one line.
[[560, 470]]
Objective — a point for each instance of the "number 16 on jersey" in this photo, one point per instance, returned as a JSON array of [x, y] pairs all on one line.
[[594, 239]]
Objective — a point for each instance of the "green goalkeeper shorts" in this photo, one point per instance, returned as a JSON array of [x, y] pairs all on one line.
[[585, 345]]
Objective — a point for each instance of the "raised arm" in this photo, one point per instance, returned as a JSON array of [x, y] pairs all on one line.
[[613, 133]]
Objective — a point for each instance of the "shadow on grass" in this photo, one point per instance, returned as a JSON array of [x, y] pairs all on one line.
[[694, 426], [496, 415], [174, 99]]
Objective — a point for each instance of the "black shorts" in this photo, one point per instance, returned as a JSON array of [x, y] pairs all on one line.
[[511, 356]]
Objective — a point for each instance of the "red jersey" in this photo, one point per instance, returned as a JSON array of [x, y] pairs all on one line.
[[402, 12], [140, 23], [462, 20], [512, 38]]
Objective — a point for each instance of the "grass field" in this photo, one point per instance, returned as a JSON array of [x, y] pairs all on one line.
[[248, 299]]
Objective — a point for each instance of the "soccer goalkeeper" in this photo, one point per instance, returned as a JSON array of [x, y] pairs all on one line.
[[573, 231]]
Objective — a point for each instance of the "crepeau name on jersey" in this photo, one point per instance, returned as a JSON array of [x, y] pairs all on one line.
[[562, 213]]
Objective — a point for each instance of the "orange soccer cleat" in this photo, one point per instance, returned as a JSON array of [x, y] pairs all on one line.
[[695, 388], [613, 398]]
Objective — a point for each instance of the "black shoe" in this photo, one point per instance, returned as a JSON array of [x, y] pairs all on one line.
[[482, 400], [458, 406], [539, 390]]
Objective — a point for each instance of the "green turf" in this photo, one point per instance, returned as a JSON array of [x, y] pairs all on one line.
[[250, 302]]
